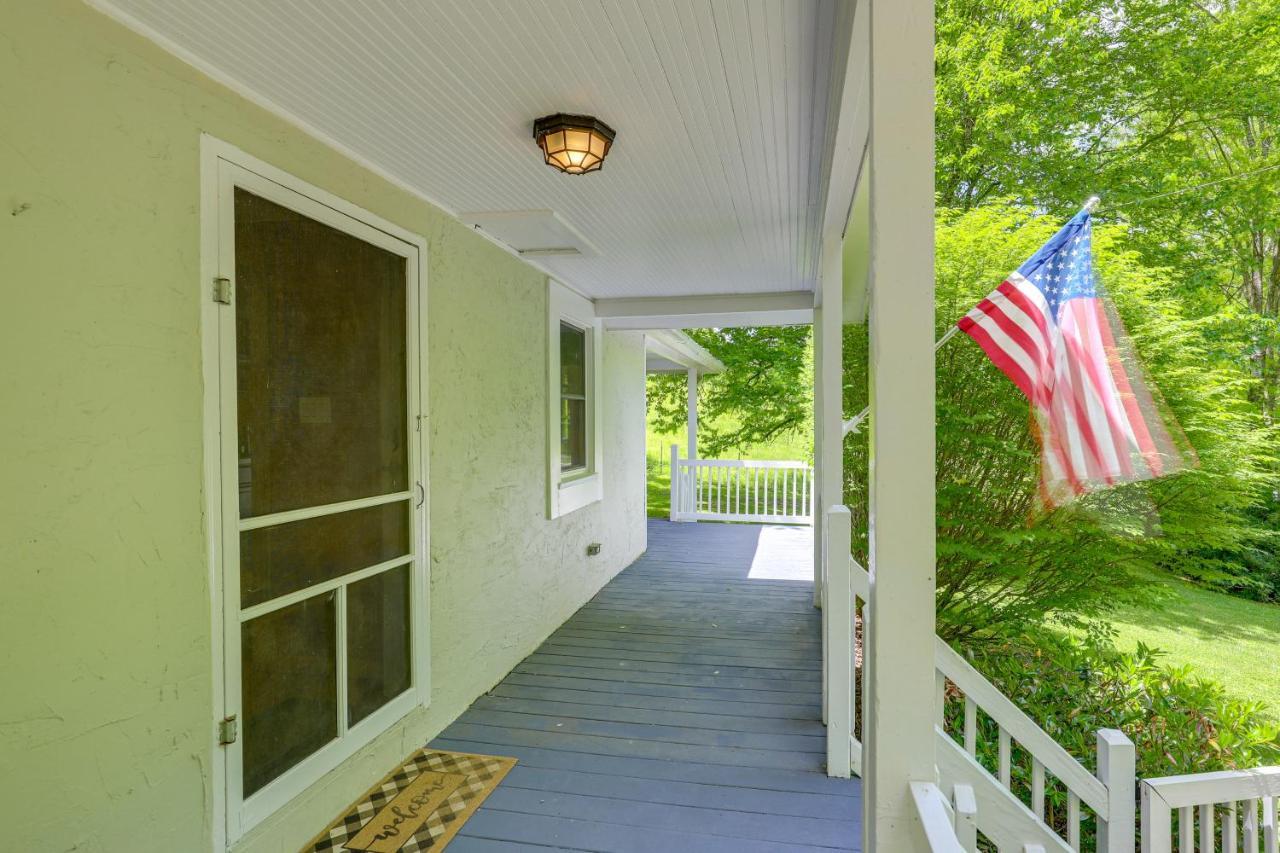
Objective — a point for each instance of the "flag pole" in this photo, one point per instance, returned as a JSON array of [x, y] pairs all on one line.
[[854, 422]]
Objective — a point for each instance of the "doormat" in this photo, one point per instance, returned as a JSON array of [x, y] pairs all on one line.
[[420, 805]]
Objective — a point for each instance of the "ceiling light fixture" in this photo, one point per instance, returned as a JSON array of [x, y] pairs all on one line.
[[573, 144]]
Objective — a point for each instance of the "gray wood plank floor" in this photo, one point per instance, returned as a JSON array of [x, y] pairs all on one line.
[[679, 710]]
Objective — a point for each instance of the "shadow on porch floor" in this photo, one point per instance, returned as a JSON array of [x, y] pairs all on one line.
[[678, 710]]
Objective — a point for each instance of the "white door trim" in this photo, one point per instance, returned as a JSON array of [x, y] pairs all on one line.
[[223, 166]]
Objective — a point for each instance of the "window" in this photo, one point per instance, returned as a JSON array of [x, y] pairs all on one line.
[[573, 398], [574, 447]]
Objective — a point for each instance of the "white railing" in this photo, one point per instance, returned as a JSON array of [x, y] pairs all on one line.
[[740, 490], [949, 826], [844, 581], [1002, 816], [1005, 818], [1232, 805], [860, 593]]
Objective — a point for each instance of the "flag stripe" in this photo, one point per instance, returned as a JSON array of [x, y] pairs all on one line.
[[1006, 354], [1141, 433]]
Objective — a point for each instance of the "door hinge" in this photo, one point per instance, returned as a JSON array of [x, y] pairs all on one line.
[[227, 731], [222, 290]]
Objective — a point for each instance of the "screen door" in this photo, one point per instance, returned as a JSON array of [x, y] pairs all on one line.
[[324, 507]]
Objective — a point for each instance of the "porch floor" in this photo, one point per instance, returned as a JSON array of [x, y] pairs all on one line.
[[678, 710]]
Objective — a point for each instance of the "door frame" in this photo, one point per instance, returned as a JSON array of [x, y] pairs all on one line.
[[221, 163]]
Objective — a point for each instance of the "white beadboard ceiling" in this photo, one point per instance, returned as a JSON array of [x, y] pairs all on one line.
[[715, 182]]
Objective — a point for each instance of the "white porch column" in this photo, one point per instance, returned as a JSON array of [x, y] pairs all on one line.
[[819, 508], [693, 413], [831, 571], [900, 710]]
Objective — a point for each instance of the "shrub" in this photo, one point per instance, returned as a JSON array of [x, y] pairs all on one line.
[[1179, 722], [1074, 685]]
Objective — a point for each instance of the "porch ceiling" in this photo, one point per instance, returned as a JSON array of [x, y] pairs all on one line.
[[714, 186]]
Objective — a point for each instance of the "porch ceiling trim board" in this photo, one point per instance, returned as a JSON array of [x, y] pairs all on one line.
[[703, 312], [716, 183], [672, 351]]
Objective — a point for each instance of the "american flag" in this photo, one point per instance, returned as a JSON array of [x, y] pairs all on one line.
[[1049, 328]]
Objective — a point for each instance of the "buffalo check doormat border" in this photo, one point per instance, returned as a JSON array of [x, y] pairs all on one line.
[[419, 806]]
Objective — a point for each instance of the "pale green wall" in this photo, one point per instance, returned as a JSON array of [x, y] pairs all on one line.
[[105, 679]]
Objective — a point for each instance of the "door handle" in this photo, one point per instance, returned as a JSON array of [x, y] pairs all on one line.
[[422, 495]]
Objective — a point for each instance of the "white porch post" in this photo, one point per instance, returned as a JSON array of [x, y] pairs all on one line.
[[834, 530], [693, 414], [677, 494], [819, 507], [900, 706]]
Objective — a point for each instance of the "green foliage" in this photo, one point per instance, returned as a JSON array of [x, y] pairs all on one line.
[[1167, 110], [1179, 723], [996, 569], [764, 392]]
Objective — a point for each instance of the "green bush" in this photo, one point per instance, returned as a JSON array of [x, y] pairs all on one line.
[[1072, 686], [1002, 570]]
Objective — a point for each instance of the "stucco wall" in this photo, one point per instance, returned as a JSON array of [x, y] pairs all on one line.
[[106, 677]]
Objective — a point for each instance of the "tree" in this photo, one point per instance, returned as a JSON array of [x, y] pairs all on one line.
[[765, 390], [1048, 102], [997, 571]]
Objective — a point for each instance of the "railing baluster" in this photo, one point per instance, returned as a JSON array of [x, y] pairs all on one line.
[[1073, 821], [812, 487], [1251, 826], [1229, 829], [1006, 758], [1037, 787], [1206, 827], [1186, 830], [803, 475], [1269, 825], [941, 686], [970, 726], [1269, 838], [737, 491]]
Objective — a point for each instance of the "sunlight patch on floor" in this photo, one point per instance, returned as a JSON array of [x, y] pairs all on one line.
[[783, 553]]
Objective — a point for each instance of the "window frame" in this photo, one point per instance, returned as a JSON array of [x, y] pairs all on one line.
[[571, 490]]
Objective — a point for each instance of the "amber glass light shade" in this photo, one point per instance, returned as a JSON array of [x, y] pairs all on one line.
[[573, 144]]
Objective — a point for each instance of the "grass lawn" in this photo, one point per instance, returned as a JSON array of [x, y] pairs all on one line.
[[1227, 639]]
